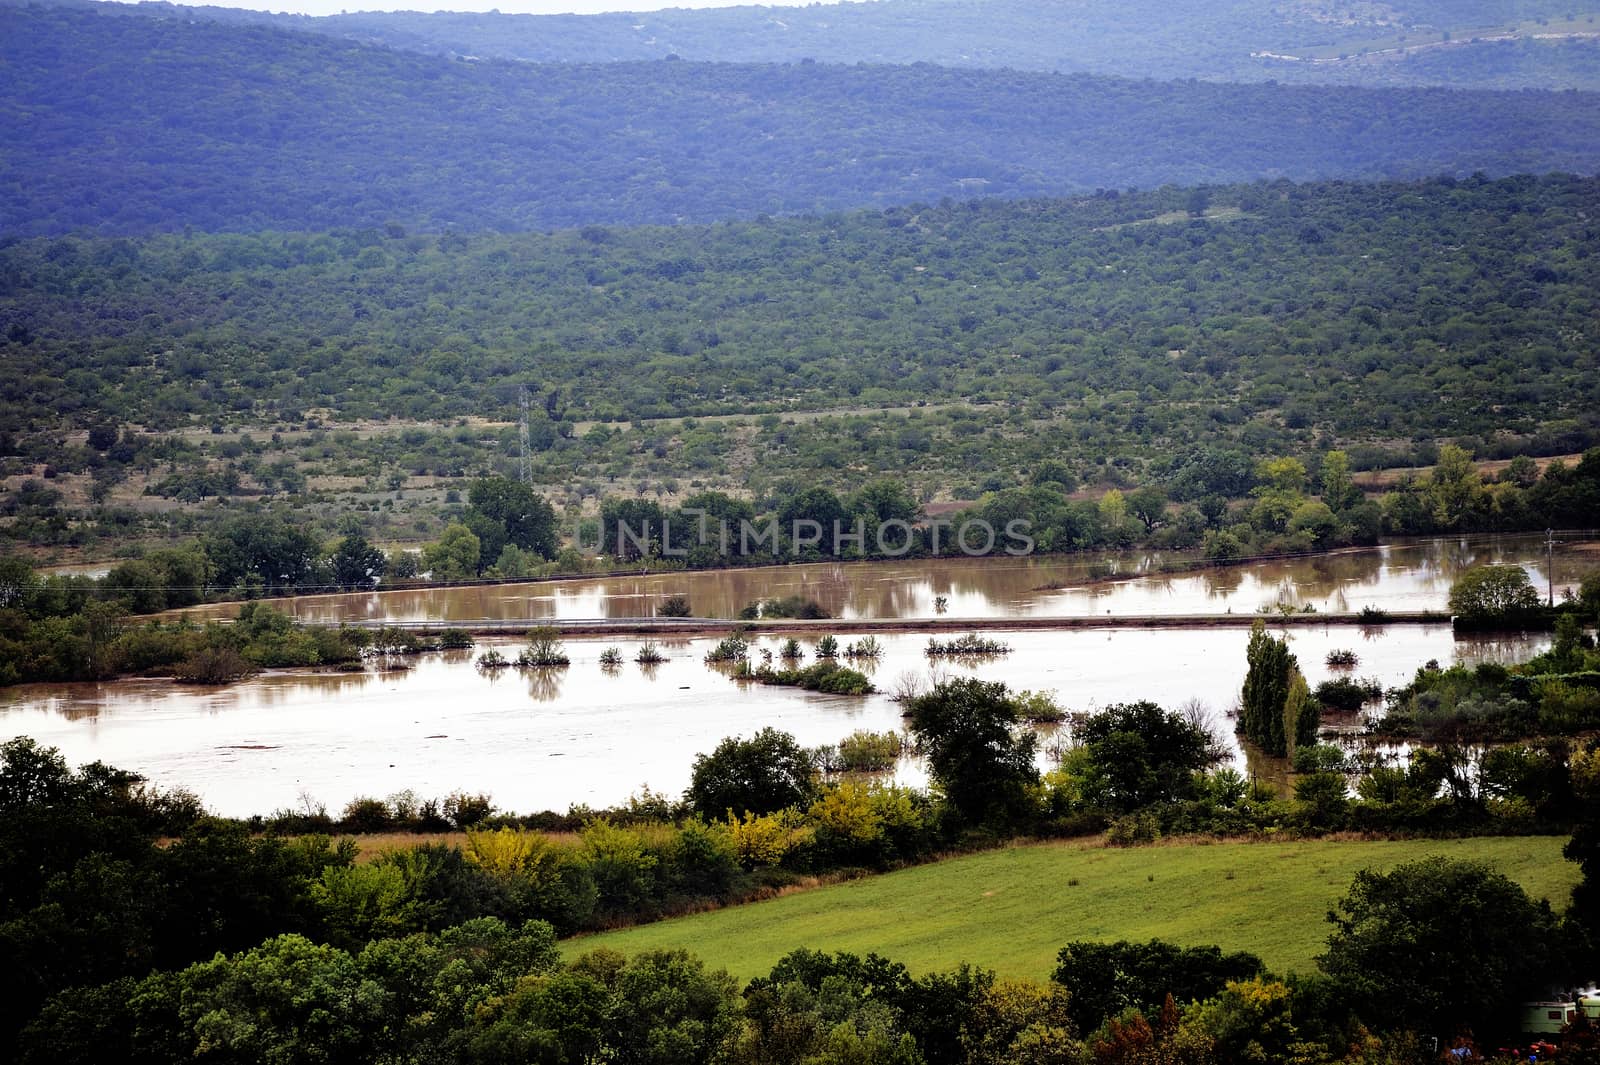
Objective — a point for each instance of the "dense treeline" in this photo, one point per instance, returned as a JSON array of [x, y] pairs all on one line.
[[1407, 311], [1141, 38], [1212, 505], [129, 125], [445, 953]]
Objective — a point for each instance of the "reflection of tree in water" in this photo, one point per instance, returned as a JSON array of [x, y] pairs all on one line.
[[649, 670], [1265, 768], [1506, 648], [865, 666], [1223, 582], [544, 685]]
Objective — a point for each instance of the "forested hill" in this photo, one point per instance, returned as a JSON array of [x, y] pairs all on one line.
[[1462, 43], [125, 125], [1285, 315]]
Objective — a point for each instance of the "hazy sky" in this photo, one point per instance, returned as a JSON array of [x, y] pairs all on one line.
[[505, 7]]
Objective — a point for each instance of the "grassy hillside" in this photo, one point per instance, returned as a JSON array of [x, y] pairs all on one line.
[[1013, 909], [1235, 40], [122, 125]]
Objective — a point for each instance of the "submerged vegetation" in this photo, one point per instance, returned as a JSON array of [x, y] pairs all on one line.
[[544, 650], [970, 645], [823, 676]]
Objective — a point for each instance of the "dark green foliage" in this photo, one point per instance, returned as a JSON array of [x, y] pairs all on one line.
[[793, 1008], [1253, 337], [1324, 798], [793, 606], [1266, 691], [1104, 979], [970, 645], [502, 511], [1346, 694], [1584, 849], [1491, 704], [1141, 755], [87, 897], [289, 999], [766, 773], [978, 755], [356, 564], [336, 134], [213, 665], [1493, 593], [263, 555], [825, 676], [1481, 942], [96, 643]]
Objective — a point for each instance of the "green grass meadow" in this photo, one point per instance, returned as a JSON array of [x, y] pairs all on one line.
[[1011, 910]]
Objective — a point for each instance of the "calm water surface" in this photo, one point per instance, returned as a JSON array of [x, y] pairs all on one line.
[[1411, 576], [550, 739]]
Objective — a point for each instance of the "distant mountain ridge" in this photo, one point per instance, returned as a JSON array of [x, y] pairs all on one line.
[[129, 125], [1460, 43]]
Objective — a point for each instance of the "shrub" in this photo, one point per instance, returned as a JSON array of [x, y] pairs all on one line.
[[624, 871], [828, 647], [1342, 659], [366, 815], [1039, 708], [733, 648], [650, 654], [214, 665], [465, 810], [1130, 830], [674, 606], [969, 645], [766, 839], [1103, 979], [455, 640], [1345, 695], [611, 657], [1320, 758], [544, 650], [866, 647], [492, 660], [825, 676], [866, 752], [1565, 708], [791, 649], [1324, 797], [793, 606]]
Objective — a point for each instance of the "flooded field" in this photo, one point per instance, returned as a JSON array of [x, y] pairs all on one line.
[[1410, 576], [550, 739]]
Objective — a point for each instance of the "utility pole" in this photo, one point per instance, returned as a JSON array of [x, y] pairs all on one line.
[[1550, 543]]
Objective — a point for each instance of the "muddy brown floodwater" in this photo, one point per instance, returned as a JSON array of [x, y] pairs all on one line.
[[1403, 577], [587, 735]]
